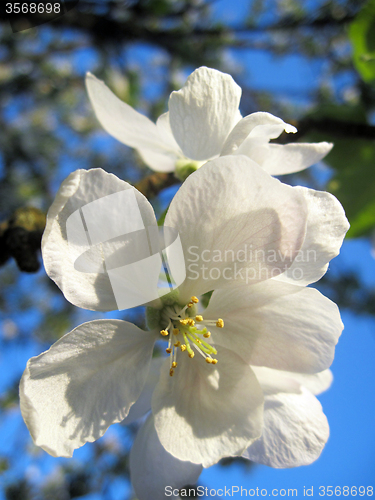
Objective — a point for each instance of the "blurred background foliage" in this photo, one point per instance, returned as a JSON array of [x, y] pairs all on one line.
[[144, 49]]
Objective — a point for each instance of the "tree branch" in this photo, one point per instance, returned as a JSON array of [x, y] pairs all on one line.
[[339, 128]]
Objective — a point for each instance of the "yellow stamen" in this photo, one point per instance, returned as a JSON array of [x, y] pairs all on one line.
[[209, 347], [193, 329], [189, 349]]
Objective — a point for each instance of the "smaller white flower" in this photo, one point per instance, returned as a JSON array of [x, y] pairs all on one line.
[[203, 122]]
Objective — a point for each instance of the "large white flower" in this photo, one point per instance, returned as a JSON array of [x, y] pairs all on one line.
[[203, 122], [212, 406]]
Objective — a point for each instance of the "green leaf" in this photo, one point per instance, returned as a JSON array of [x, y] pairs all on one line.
[[353, 161], [362, 37], [354, 182]]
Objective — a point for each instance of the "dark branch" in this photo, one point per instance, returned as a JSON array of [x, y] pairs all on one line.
[[349, 130]]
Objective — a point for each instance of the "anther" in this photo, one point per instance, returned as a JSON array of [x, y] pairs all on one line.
[[209, 360], [214, 361], [177, 344], [183, 347], [190, 322], [198, 318], [220, 323], [184, 321], [207, 335], [191, 354], [168, 350], [175, 331], [171, 372], [174, 364], [194, 299], [164, 333]]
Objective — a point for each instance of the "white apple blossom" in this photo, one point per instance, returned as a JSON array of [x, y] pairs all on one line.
[[203, 122], [210, 405]]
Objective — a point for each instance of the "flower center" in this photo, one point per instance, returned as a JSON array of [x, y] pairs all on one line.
[[187, 331]]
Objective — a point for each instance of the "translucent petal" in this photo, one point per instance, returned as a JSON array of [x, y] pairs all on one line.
[[85, 382]]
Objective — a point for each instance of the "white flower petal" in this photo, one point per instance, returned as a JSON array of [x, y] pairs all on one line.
[[206, 412], [160, 162], [152, 468], [278, 325], [237, 224], [275, 381], [163, 161], [203, 112], [143, 403], [289, 158], [85, 382], [295, 428], [73, 256], [285, 381], [125, 123], [163, 124], [326, 229], [260, 127], [316, 383]]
